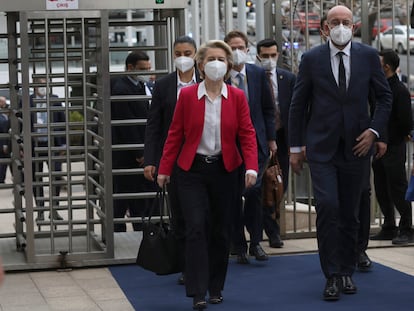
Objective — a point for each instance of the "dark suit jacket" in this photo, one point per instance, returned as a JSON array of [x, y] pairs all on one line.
[[187, 127], [124, 110], [56, 117], [401, 122], [262, 108], [285, 84], [164, 99], [4, 128], [333, 117]]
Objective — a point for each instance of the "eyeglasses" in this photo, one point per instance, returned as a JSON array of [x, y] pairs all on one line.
[[336, 22]]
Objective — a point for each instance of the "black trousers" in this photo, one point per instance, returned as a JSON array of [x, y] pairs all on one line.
[[337, 187], [206, 192], [390, 181], [136, 207], [365, 212], [251, 213], [178, 221]]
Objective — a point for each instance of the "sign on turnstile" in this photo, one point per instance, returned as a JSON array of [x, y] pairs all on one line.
[[62, 4]]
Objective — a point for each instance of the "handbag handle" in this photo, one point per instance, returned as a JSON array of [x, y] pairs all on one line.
[[162, 202]]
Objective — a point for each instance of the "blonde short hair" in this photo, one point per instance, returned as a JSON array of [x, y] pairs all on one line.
[[214, 44]]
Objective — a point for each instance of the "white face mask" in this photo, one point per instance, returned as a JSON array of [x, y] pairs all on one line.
[[41, 91], [340, 35], [215, 70], [184, 63], [144, 78], [239, 57], [269, 64]]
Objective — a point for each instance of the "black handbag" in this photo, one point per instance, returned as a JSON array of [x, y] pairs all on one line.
[[159, 251]]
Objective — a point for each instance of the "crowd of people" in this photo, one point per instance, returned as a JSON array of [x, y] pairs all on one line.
[[214, 122], [345, 110]]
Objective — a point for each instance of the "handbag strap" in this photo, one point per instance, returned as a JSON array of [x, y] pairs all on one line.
[[162, 203]]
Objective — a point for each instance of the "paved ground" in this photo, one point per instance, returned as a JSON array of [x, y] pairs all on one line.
[[95, 289]]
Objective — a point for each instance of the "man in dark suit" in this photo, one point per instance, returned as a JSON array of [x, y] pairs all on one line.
[[164, 98], [4, 142], [40, 124], [390, 178], [130, 84], [253, 81], [282, 83], [336, 78]]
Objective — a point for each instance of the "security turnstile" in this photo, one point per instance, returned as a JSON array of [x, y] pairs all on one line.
[[73, 54]]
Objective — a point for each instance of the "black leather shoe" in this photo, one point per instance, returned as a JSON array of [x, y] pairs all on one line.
[[40, 216], [258, 252], [276, 242], [348, 286], [181, 279], [332, 289], [215, 299], [364, 263], [242, 259], [403, 237], [385, 234], [199, 303], [56, 216]]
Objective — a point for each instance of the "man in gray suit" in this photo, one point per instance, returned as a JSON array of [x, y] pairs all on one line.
[[336, 78]]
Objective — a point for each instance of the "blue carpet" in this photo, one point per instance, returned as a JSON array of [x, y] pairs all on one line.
[[283, 283]]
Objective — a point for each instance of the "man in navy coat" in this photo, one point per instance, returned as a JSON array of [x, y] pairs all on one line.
[[336, 78], [262, 112]]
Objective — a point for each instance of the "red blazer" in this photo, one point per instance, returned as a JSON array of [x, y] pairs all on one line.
[[186, 129]]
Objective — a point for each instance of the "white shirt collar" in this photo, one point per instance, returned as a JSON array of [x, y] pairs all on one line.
[[203, 92], [334, 50], [181, 83], [234, 73]]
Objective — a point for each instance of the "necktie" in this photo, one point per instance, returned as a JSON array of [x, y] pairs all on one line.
[[278, 121], [241, 85], [341, 74]]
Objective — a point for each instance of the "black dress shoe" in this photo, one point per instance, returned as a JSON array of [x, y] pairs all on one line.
[[348, 286], [181, 279], [199, 303], [332, 289], [403, 237], [385, 234], [276, 242], [364, 263], [40, 216], [215, 298], [242, 259], [258, 252], [56, 216]]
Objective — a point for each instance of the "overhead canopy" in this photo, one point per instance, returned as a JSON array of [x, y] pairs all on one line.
[[42, 5]]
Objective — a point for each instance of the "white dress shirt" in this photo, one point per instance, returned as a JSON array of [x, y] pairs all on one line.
[[210, 143]]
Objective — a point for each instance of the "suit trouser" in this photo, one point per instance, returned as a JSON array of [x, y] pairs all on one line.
[[37, 167], [136, 207], [271, 226], [364, 219], [250, 214], [390, 181], [177, 215], [337, 187], [206, 192]]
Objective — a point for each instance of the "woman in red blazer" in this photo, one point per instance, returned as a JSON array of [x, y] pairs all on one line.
[[211, 124]]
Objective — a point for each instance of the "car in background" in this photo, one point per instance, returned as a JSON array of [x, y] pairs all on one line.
[[402, 40], [384, 24], [313, 19]]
